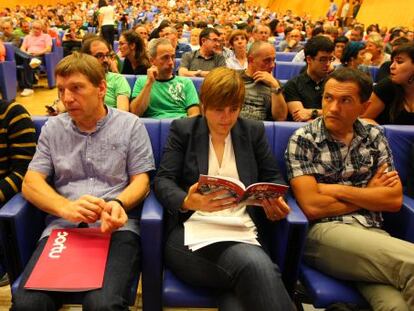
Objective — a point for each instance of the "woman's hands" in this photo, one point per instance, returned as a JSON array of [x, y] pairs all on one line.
[[212, 202]]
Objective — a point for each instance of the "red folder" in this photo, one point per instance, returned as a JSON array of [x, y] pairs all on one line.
[[73, 260]]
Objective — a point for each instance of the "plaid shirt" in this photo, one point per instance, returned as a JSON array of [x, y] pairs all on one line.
[[312, 151]]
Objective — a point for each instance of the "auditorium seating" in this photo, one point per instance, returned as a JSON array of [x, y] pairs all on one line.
[[21, 225], [49, 62], [8, 81]]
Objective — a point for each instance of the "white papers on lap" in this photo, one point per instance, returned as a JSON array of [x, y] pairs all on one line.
[[201, 230]]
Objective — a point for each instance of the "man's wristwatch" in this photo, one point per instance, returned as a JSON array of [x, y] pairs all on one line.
[[314, 114], [276, 90]]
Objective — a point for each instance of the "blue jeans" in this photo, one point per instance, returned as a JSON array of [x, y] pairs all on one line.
[[243, 275], [122, 266]]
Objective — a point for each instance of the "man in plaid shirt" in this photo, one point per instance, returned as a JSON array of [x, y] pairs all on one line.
[[342, 175]]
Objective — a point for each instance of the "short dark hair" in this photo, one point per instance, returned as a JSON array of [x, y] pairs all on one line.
[[205, 33], [341, 39], [86, 45], [356, 76], [316, 44], [407, 48]]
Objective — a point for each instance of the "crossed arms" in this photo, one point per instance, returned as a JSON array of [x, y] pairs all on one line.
[[318, 200]]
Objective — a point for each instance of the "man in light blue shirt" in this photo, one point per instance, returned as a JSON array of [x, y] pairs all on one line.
[[97, 159]]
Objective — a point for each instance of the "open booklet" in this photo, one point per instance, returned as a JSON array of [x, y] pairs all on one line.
[[252, 194]]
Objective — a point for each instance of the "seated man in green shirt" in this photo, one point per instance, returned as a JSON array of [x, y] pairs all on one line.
[[118, 90], [161, 94]]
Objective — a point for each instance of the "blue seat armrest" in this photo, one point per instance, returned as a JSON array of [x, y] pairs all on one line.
[[8, 81], [401, 224], [152, 253], [21, 225], [51, 60], [290, 237]]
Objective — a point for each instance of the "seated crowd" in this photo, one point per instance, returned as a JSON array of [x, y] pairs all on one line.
[[339, 164]]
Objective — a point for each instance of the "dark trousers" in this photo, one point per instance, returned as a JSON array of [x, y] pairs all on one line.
[[25, 74], [122, 266], [108, 33], [243, 275]]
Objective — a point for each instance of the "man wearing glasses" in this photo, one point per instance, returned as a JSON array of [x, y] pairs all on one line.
[[161, 94], [118, 90], [199, 63], [303, 94]]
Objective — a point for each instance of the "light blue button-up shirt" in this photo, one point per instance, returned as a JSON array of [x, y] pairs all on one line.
[[99, 163]]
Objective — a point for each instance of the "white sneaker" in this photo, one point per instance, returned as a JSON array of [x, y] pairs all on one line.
[[26, 92], [34, 63]]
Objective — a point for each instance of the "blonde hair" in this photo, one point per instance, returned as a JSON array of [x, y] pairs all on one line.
[[222, 87], [376, 39]]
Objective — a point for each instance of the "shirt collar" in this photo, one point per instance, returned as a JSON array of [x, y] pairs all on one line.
[[318, 125]]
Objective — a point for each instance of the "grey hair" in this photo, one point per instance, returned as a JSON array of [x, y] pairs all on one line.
[[153, 46]]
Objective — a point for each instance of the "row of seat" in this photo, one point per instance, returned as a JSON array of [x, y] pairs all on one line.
[[8, 70], [21, 225]]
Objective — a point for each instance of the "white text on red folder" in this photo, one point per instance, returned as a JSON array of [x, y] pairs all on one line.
[[58, 245]]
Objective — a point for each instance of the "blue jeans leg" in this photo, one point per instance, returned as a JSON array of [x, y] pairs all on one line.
[[244, 270]]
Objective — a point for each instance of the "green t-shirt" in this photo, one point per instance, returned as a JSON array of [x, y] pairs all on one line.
[[168, 99], [116, 85]]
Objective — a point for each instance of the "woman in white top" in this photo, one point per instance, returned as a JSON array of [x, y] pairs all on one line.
[[219, 143], [106, 20], [238, 43]]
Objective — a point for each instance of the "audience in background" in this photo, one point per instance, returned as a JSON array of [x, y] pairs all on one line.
[[263, 96], [392, 101], [303, 94], [161, 94], [199, 63], [132, 50], [118, 90], [8, 35], [238, 44]]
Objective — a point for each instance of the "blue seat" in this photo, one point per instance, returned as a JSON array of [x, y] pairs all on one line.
[[21, 225], [285, 56], [373, 70], [287, 70], [321, 288], [8, 81], [131, 81], [161, 288], [197, 81]]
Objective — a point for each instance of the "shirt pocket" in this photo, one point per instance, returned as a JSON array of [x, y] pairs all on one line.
[[112, 159]]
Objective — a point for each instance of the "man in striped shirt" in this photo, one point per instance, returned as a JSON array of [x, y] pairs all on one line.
[[17, 147]]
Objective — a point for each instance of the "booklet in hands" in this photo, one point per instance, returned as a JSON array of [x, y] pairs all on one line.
[[252, 195]]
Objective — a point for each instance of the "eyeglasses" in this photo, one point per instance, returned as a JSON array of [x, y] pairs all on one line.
[[325, 60], [215, 40], [102, 55]]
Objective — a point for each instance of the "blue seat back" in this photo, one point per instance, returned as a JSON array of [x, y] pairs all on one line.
[[131, 81], [283, 131], [287, 70], [197, 81], [401, 139], [285, 56]]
